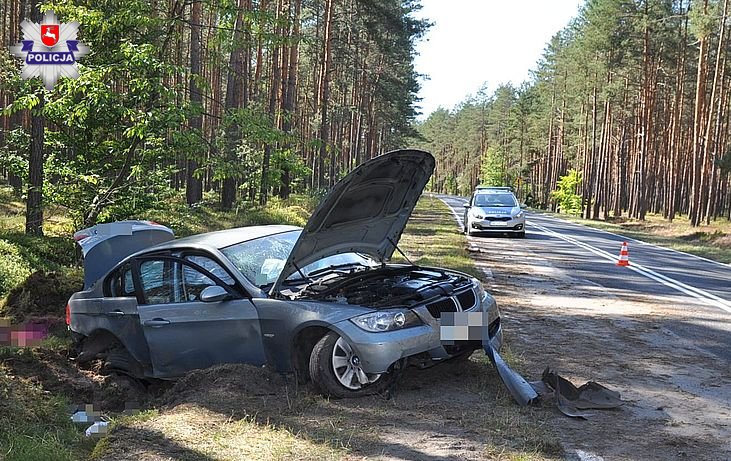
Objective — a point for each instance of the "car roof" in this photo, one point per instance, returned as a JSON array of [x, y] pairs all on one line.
[[492, 191], [225, 238], [498, 188]]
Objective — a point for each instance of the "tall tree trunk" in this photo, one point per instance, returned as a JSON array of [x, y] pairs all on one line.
[[708, 169], [591, 162], [34, 205], [288, 101], [325, 92], [234, 100], [274, 94], [193, 186], [698, 125]]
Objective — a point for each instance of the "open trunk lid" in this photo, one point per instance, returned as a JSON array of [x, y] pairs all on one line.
[[105, 245]]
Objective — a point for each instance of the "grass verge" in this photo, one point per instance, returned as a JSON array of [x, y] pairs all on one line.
[[432, 238], [34, 424], [711, 241]]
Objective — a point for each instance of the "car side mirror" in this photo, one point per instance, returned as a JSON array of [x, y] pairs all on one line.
[[523, 206], [466, 205], [214, 293]]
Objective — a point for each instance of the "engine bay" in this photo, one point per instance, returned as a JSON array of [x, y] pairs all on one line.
[[389, 286]]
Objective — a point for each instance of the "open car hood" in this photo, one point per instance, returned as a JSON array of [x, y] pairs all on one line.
[[365, 212]]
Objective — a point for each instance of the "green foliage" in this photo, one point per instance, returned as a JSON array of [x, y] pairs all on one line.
[[292, 162], [43, 253], [492, 172], [117, 137], [43, 294], [13, 268], [22, 254], [204, 217], [34, 425], [565, 194], [483, 141], [703, 23], [450, 186], [15, 153], [242, 140], [107, 145]]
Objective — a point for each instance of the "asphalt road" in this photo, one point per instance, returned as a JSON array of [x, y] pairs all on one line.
[[699, 290]]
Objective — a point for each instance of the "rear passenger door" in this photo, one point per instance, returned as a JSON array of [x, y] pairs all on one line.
[[184, 333]]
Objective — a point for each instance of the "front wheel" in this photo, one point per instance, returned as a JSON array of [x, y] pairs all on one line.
[[520, 235], [336, 371]]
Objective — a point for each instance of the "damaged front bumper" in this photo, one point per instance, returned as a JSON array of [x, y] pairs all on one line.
[[424, 343]]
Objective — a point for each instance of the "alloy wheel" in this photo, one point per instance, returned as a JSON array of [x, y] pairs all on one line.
[[347, 368]]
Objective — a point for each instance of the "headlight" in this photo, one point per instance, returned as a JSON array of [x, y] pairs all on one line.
[[477, 215], [481, 293], [387, 320], [519, 215]]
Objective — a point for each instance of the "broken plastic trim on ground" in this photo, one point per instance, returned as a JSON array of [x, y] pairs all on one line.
[[570, 400]]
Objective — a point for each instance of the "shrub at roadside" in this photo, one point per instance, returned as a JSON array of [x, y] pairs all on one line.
[[13, 268], [43, 294], [565, 194], [21, 255]]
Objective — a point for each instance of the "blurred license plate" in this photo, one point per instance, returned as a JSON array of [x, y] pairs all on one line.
[[462, 326], [498, 223]]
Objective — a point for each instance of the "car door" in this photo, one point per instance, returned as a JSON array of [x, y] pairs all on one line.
[[182, 331]]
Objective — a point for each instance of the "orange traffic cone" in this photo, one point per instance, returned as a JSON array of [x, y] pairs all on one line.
[[623, 255]]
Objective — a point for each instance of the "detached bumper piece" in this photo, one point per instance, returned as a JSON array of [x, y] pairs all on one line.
[[521, 391], [572, 400]]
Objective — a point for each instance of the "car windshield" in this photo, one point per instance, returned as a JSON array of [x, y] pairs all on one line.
[[261, 260], [498, 200]]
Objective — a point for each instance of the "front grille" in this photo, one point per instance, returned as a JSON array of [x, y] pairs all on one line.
[[445, 305], [495, 218], [466, 299]]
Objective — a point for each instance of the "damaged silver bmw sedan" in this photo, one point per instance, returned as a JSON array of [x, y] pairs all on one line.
[[321, 302]]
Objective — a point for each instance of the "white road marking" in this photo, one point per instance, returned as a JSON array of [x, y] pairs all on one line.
[[454, 213], [630, 239], [701, 295]]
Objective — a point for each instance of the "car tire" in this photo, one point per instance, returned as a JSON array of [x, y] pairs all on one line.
[[119, 361], [520, 235], [333, 372]]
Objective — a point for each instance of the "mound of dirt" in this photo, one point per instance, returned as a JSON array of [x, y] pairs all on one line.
[[232, 388], [56, 374], [43, 294]]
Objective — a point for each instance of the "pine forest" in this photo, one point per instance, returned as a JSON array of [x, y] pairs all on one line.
[[234, 102]]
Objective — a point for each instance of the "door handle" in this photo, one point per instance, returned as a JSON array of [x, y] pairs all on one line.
[[157, 323], [116, 313]]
